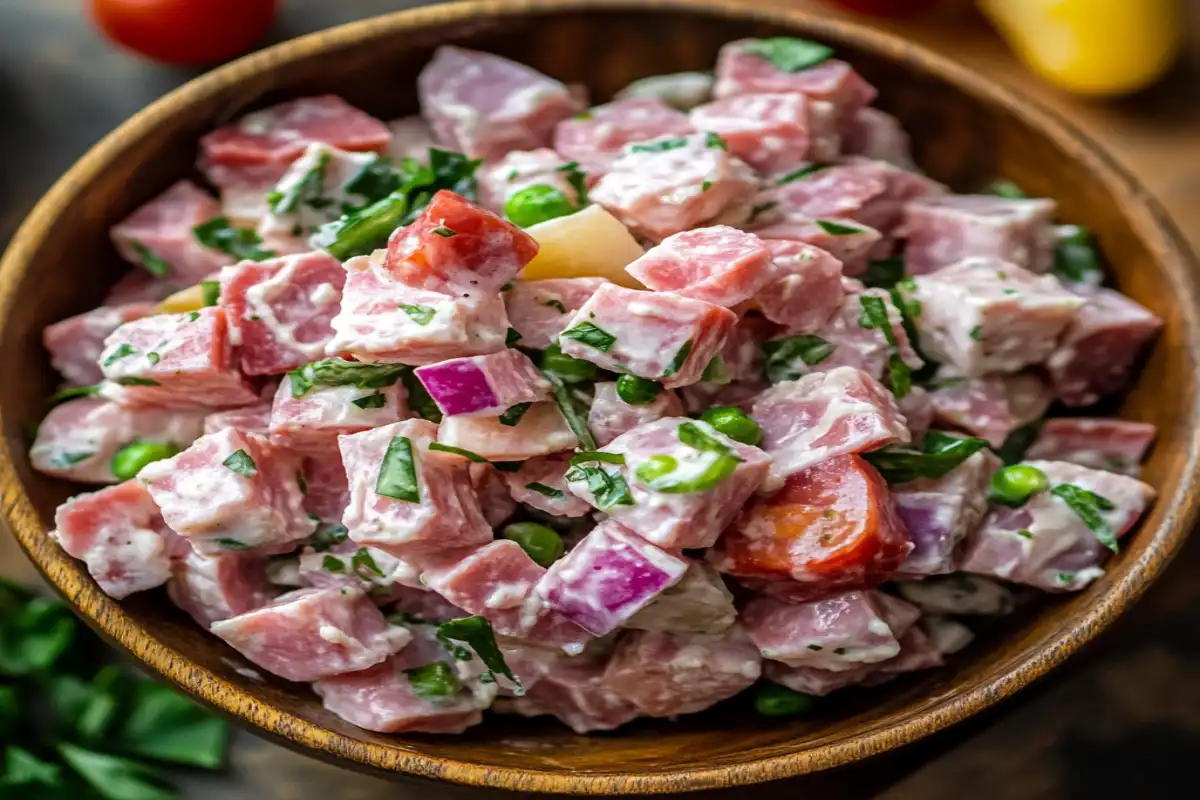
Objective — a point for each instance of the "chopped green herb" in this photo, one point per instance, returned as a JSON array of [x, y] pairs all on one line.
[[602, 456], [241, 463], [419, 401], [557, 364], [422, 315], [1007, 189], [193, 316], [327, 535], [1088, 506], [1018, 442], [556, 305], [241, 243], [591, 335], [364, 564], [977, 333], [548, 491], [781, 355], [309, 187], [458, 451], [883, 273], [801, 173], [773, 700], [477, 633], [875, 316], [836, 228], [716, 371], [370, 401], [540, 542], [512, 415], [210, 292], [939, 455], [232, 544], [660, 146], [1066, 577], [151, 261], [576, 420], [339, 372], [507, 287], [839, 651], [1024, 534], [723, 464], [1076, 259], [435, 683], [69, 459], [583, 115], [705, 186], [153, 358], [398, 474], [444, 232], [714, 141], [577, 179], [1013, 486], [681, 357], [377, 179], [333, 564], [789, 53], [129, 380], [511, 337], [609, 489], [816, 648], [63, 395], [761, 209], [122, 351]]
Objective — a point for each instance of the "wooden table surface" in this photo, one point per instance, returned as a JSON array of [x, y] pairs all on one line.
[[1122, 720]]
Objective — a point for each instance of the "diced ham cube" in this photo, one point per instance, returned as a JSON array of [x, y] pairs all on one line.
[[411, 138], [719, 265], [540, 484], [425, 606], [119, 534], [370, 569], [138, 286], [257, 149], [312, 423], [162, 229], [279, 310], [609, 576], [814, 681], [742, 355], [681, 90], [457, 247], [944, 230], [1099, 352], [175, 360], [212, 588], [574, 691], [610, 416], [382, 699], [435, 508], [539, 310], [78, 439], [807, 288], [487, 106], [76, 342], [699, 603], [519, 170], [250, 419], [497, 582], [1045, 543], [384, 320], [699, 397], [877, 135], [230, 491], [742, 70], [668, 185], [940, 512], [837, 633], [917, 652], [1115, 445], [660, 336], [312, 634], [832, 527], [960, 594], [853, 244], [773, 133], [984, 315], [481, 386], [326, 487], [826, 414], [595, 138], [666, 673], [540, 431], [991, 407], [917, 408]]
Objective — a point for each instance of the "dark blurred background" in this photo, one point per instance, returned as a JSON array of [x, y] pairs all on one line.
[[1121, 721]]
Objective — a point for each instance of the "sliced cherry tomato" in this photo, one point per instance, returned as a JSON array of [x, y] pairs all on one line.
[[185, 31], [887, 8], [831, 527]]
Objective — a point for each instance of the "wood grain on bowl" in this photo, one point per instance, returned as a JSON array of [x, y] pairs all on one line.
[[966, 130]]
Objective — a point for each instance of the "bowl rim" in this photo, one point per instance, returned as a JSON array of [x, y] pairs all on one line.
[[106, 615]]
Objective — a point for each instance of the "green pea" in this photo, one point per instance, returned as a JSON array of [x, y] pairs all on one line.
[[1013, 486], [540, 542], [570, 370], [773, 700], [656, 467], [734, 423], [637, 391], [536, 204], [130, 459]]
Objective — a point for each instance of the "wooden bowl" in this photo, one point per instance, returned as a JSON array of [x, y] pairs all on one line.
[[967, 131]]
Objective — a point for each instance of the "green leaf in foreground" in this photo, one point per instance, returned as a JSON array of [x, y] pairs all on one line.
[[113, 777], [240, 243], [166, 726]]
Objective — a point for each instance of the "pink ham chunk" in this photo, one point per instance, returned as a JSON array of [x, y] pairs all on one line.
[[427, 504], [486, 106], [743, 69], [666, 674], [664, 510], [960, 594], [119, 534], [827, 414], [481, 386], [991, 407], [497, 582], [230, 491], [610, 416], [457, 247], [382, 699], [326, 488], [1099, 352], [837, 633], [257, 149], [660, 336], [917, 652], [76, 342], [917, 408], [985, 315], [539, 310], [877, 135], [312, 192], [250, 419], [1115, 445], [944, 230], [850, 242], [575, 692], [161, 230], [345, 563], [540, 484], [521, 169], [940, 513], [608, 577], [699, 603], [138, 286], [213, 588], [540, 431], [492, 490], [807, 288], [279, 310], [742, 355], [595, 138], [384, 320], [1045, 543], [668, 185], [175, 360], [424, 605], [774, 133], [312, 634], [313, 422], [719, 265]]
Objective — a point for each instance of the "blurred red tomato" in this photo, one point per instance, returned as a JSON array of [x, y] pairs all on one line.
[[185, 31], [887, 8]]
